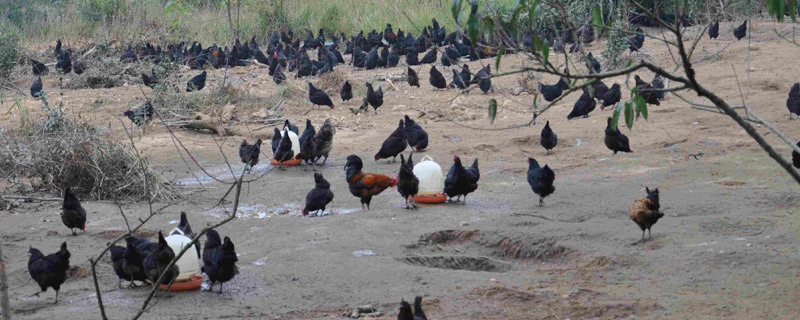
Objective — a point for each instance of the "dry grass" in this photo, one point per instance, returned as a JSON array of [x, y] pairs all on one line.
[[67, 154]]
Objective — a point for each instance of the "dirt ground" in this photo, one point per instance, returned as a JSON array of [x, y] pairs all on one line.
[[727, 247]]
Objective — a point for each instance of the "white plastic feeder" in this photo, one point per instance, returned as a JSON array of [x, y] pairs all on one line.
[[189, 263], [431, 181]]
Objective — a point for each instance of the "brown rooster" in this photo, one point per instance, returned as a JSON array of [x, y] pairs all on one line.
[[645, 211], [365, 185]]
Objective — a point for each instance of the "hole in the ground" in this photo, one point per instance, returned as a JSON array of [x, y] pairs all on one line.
[[458, 263]]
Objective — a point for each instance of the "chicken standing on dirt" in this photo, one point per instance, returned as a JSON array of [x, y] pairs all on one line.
[[548, 139], [249, 154], [484, 79], [796, 157], [416, 136], [405, 312], [319, 97], [365, 185], [740, 31], [307, 145], [72, 213], [418, 313], [219, 259], [461, 181], [412, 78], [612, 96], [375, 98], [792, 103], [552, 91], [133, 263], [393, 145], [156, 263], [291, 127], [407, 182], [319, 197], [347, 91], [36, 88], [49, 271], [713, 30], [278, 76], [437, 79], [142, 115], [284, 151], [429, 57], [646, 90], [645, 211], [276, 140], [197, 83], [541, 180], [583, 106], [323, 141], [117, 262], [38, 68], [615, 140]]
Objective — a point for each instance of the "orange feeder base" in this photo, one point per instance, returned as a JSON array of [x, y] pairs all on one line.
[[194, 282], [438, 198], [290, 163]]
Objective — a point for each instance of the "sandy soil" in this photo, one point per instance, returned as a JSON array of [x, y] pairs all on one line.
[[726, 248]]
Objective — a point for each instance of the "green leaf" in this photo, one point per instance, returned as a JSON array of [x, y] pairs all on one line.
[[781, 12], [641, 106], [792, 8], [517, 9], [473, 22], [629, 115], [615, 116], [492, 110], [176, 22], [456, 9], [591, 90], [532, 12], [545, 51], [633, 92], [499, 56], [597, 20]]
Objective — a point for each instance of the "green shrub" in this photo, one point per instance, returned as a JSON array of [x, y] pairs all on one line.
[[617, 42], [8, 49], [94, 11]]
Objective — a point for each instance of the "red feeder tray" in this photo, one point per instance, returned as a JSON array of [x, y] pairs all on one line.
[[290, 163], [194, 282], [438, 198]]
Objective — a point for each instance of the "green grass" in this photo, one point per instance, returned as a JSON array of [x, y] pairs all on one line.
[[133, 21]]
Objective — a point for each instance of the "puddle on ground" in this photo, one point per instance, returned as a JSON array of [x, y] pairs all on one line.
[[260, 211], [222, 172]]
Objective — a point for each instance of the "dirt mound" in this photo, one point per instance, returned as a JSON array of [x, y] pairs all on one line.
[[458, 263], [494, 243]]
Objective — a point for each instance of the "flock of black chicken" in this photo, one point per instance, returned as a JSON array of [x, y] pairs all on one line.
[[144, 261]]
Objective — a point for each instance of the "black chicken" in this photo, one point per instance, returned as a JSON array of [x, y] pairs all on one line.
[[149, 80], [552, 91], [38, 68], [615, 140], [117, 262], [372, 61], [713, 30], [346, 92], [541, 180], [249, 154], [740, 31], [323, 141], [393, 145], [276, 140], [284, 152], [319, 197], [457, 82], [133, 259], [64, 63], [437, 79], [416, 136], [36, 88], [461, 181], [548, 139], [72, 213], [796, 157], [219, 259], [319, 97], [307, 145], [78, 67], [792, 103], [646, 90], [412, 78], [418, 313], [155, 263], [658, 87], [407, 182], [637, 41], [375, 98], [600, 89], [49, 271], [142, 115], [278, 76], [291, 127], [197, 83], [429, 57], [484, 78], [405, 312], [612, 96], [592, 63], [583, 106]]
